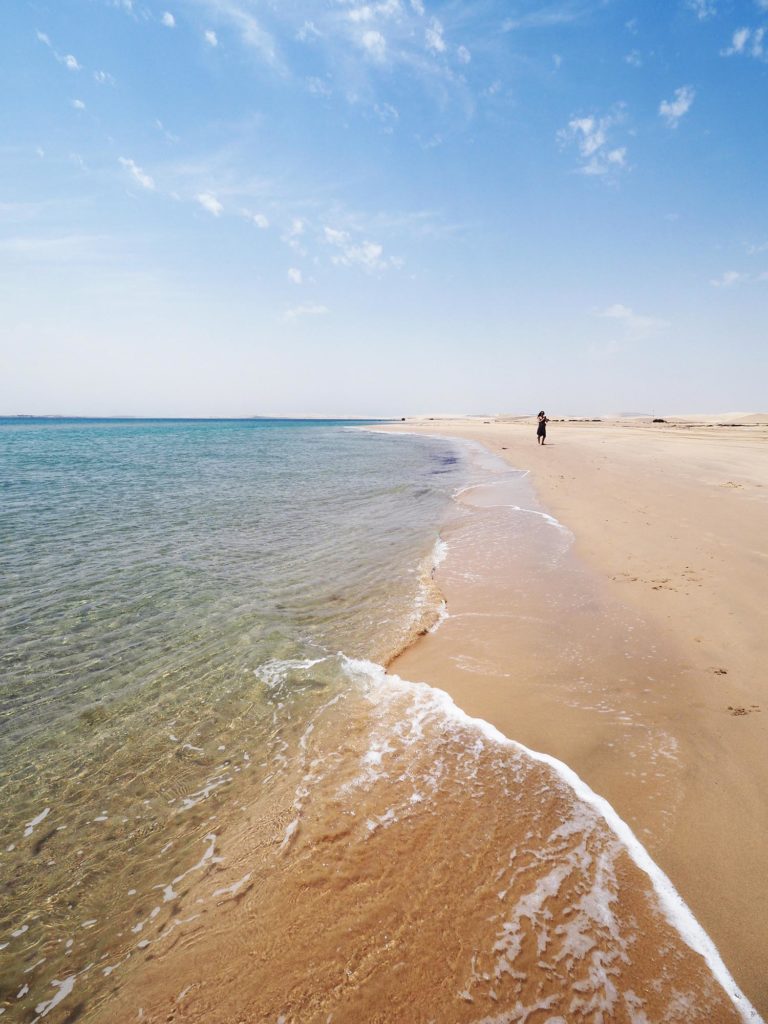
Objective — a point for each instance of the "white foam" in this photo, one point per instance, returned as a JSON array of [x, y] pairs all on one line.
[[31, 825], [64, 989], [234, 889], [272, 673], [674, 908], [439, 552]]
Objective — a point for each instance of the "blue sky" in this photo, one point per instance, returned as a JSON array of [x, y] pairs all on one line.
[[331, 207]]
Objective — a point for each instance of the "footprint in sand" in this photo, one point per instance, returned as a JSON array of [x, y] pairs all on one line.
[[737, 711], [731, 483], [662, 585], [720, 671]]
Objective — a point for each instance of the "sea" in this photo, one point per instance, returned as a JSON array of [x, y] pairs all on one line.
[[217, 805]]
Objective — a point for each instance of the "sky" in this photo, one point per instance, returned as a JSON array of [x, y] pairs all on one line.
[[383, 208]]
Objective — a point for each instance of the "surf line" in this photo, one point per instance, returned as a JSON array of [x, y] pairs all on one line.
[[672, 904]]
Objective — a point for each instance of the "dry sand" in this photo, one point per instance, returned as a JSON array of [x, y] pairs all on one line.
[[649, 676]]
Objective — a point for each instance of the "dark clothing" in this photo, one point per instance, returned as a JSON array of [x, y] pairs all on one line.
[[542, 429]]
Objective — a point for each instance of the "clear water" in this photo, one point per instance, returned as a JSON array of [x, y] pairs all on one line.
[[152, 573]]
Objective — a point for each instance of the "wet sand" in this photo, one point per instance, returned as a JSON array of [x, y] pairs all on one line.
[[648, 678]]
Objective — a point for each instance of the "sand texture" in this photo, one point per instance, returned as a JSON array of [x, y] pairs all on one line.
[[641, 661]]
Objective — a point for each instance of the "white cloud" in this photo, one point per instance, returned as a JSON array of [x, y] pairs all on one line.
[[618, 157], [237, 14], [168, 20], [375, 43], [137, 173], [256, 218], [738, 42], [209, 203], [311, 310], [634, 59], [673, 110], [294, 275], [365, 254], [361, 13], [747, 42], [434, 37], [78, 104], [70, 62], [703, 9], [293, 233], [418, 7], [464, 55], [727, 280], [103, 78], [591, 136]]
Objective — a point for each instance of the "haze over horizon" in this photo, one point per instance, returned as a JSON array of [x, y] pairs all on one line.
[[383, 208]]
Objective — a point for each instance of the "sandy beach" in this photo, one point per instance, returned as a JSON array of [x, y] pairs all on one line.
[[641, 664]]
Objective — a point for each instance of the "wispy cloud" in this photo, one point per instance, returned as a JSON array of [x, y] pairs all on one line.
[[295, 275], [747, 42], [551, 15], [433, 36], [350, 253], [168, 20], [374, 43], [258, 219], [70, 62], [387, 34], [246, 25], [591, 136], [728, 279], [209, 203], [636, 326], [103, 78], [78, 104], [703, 9], [211, 38], [138, 175], [672, 110], [308, 310]]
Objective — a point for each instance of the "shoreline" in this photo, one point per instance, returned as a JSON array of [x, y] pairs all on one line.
[[710, 787]]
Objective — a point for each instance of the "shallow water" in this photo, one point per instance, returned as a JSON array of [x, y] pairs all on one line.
[[153, 572], [219, 805]]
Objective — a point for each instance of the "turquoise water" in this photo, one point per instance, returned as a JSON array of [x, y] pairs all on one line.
[[154, 573]]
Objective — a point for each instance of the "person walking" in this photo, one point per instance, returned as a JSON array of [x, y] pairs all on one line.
[[541, 430]]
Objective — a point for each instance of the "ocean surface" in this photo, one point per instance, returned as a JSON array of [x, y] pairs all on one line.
[[216, 805]]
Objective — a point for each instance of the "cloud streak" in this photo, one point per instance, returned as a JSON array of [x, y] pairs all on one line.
[[138, 175]]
